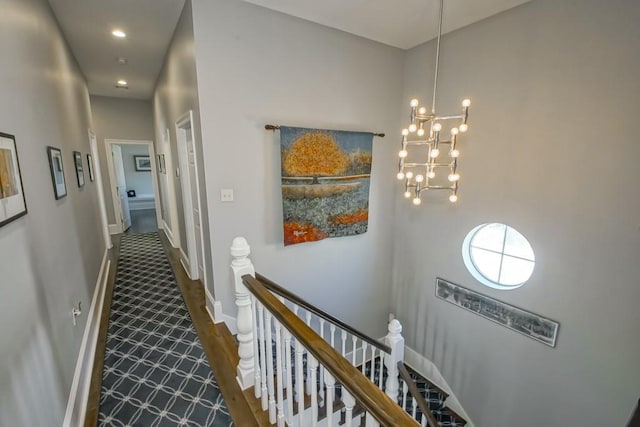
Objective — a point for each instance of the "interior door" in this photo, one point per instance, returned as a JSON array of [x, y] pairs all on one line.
[[195, 199], [121, 188]]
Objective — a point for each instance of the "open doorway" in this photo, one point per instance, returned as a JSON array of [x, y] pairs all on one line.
[[134, 186]]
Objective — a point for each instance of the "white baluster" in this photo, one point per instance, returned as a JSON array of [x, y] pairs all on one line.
[[263, 359], [332, 328], [299, 382], [354, 341], [330, 382], [381, 370], [280, 385], [256, 363], [313, 380], [414, 404], [271, 388], [322, 393], [289, 373], [405, 390], [423, 421], [373, 366], [343, 338], [395, 341], [308, 322], [241, 265], [364, 355], [349, 403]]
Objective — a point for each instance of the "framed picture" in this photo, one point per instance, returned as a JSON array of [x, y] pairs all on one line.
[[12, 201], [57, 172], [143, 163], [77, 160], [522, 321], [90, 167]]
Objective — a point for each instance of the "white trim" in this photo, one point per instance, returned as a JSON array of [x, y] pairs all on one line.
[[154, 177], [169, 233], [196, 255], [114, 229], [171, 189], [104, 222], [79, 393], [218, 316], [184, 259], [430, 371]]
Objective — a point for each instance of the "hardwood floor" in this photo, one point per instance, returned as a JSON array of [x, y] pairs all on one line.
[[218, 343]]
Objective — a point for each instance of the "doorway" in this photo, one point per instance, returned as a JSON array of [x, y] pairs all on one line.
[[133, 185], [187, 158]]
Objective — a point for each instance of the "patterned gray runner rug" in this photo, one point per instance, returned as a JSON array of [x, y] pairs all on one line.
[[155, 370]]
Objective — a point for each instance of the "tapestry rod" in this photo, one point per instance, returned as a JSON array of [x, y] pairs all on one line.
[[276, 127]]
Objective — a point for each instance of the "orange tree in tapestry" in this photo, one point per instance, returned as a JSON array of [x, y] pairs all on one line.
[[325, 183]]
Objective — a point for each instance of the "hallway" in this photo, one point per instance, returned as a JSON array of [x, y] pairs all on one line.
[[158, 349]]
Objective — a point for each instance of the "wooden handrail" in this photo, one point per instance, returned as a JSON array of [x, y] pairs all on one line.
[[413, 389], [277, 289], [371, 398]]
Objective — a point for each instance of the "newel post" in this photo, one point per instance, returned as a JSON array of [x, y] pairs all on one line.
[[395, 340], [241, 265]]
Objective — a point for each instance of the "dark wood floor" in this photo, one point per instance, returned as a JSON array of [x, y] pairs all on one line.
[[218, 343]]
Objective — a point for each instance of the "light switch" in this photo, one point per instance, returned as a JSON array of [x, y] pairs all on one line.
[[226, 195]]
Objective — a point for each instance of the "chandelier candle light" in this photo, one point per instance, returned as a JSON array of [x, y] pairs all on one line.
[[421, 176]]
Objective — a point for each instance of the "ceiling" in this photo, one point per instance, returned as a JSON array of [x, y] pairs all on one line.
[[399, 23], [149, 24]]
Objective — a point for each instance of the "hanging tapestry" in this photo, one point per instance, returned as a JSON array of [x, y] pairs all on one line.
[[325, 183]]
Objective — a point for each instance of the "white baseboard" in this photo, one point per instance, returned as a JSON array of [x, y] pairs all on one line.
[[77, 403], [214, 308], [114, 229], [169, 233], [430, 371]]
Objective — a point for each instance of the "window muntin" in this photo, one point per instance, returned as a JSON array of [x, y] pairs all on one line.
[[498, 256]]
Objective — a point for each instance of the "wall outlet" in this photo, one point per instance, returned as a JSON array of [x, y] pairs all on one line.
[[226, 195]]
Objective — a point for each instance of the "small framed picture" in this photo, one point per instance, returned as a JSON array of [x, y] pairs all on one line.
[[143, 163], [90, 167], [57, 172], [160, 163], [12, 201], [77, 160]]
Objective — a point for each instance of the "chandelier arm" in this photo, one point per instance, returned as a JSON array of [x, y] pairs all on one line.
[[435, 79]]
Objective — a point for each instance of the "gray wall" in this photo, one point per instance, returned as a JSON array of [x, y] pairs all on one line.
[[49, 259], [140, 181], [552, 151], [119, 118], [256, 67], [175, 94]]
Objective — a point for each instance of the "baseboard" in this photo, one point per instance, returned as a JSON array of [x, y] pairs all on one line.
[[430, 371], [79, 394], [114, 229], [214, 308], [169, 233]]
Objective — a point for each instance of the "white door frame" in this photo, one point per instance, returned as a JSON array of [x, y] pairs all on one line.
[[186, 121], [112, 179], [93, 145]]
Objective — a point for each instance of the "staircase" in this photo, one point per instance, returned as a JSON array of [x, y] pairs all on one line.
[[308, 368]]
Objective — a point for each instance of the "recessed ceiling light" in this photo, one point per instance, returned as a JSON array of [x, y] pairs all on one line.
[[121, 60], [119, 34], [121, 82]]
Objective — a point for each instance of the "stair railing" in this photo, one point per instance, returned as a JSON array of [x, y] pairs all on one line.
[[267, 326], [418, 402]]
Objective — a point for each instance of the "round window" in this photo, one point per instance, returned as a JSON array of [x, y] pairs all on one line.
[[498, 256]]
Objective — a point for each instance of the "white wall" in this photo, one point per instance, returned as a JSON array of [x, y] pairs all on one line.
[[552, 151], [119, 118], [140, 181], [255, 67], [176, 93], [49, 259]]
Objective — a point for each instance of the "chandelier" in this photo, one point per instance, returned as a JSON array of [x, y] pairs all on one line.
[[423, 161]]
